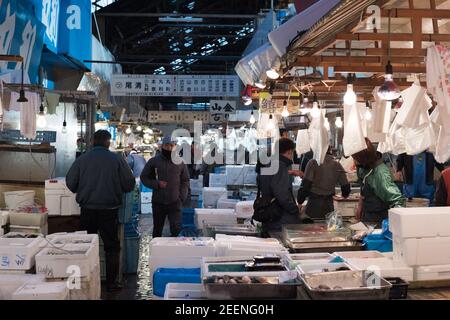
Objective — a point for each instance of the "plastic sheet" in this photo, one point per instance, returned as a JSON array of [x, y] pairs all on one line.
[[319, 138], [303, 142], [354, 140]]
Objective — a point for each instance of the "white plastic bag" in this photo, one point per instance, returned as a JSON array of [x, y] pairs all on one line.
[[417, 140], [319, 138], [353, 141], [303, 144], [250, 141], [381, 114], [414, 110], [442, 153]]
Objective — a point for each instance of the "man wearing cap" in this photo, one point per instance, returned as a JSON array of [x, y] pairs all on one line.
[[170, 184]]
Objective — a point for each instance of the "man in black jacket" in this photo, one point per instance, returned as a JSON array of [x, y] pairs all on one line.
[[418, 174], [100, 178], [170, 184], [279, 186]]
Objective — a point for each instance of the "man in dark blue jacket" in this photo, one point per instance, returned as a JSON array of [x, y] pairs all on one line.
[[100, 178]]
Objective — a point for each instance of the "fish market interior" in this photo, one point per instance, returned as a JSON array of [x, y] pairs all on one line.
[[224, 150]]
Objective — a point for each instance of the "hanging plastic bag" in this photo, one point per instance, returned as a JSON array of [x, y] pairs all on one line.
[[442, 153], [354, 140], [381, 113], [319, 138], [414, 110], [231, 139], [417, 140], [303, 142], [334, 221]]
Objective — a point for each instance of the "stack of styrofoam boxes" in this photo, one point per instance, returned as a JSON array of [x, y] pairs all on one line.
[[217, 180], [17, 199], [377, 262], [227, 246], [421, 239], [179, 252], [225, 203], [212, 195], [214, 216], [17, 256], [244, 209], [67, 256], [196, 186], [250, 174], [4, 221], [32, 223], [241, 175], [59, 200], [42, 291]]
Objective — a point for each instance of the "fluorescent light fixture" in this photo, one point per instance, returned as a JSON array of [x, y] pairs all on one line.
[[180, 19]]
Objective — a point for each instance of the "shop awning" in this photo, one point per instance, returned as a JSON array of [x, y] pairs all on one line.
[[254, 65], [281, 37]]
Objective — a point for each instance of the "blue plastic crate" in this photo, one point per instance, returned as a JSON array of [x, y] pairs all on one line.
[[220, 170], [188, 230], [163, 276], [188, 216], [378, 242]]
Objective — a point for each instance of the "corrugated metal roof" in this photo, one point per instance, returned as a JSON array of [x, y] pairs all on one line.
[[324, 31]]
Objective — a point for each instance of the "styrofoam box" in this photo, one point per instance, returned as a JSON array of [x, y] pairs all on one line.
[[185, 291], [217, 180], [432, 273], [420, 222], [146, 197], [18, 254], [293, 260], [234, 260], [28, 219], [9, 283], [244, 209], [422, 252], [42, 291], [360, 254], [55, 262], [75, 238], [346, 207], [182, 247], [17, 199], [212, 195], [224, 251], [225, 203], [385, 266], [214, 216], [235, 175], [4, 217], [246, 240]]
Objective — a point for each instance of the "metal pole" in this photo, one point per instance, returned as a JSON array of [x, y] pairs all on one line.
[[90, 124]]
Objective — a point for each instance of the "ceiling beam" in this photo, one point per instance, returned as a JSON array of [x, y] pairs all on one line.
[[330, 60], [183, 57], [393, 36], [397, 52], [176, 15], [379, 69], [420, 13]]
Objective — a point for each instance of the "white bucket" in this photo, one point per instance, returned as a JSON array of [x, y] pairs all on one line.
[[17, 199]]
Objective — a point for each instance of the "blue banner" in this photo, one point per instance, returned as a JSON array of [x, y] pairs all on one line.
[[74, 38], [47, 11], [21, 33]]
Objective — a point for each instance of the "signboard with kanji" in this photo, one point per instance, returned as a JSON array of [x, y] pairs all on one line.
[[174, 85], [220, 110]]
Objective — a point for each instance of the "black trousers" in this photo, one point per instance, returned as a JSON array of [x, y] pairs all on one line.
[[173, 212], [106, 223]]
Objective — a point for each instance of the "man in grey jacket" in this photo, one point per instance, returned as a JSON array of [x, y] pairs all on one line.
[[99, 178], [170, 184], [279, 186]]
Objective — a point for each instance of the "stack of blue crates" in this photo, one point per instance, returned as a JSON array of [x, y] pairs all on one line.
[[131, 234], [378, 242]]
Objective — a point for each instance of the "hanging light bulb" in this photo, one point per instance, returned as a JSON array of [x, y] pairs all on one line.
[[350, 96], [247, 95], [41, 122], [315, 111], [270, 124], [128, 131], [272, 73], [368, 114], [99, 110], [139, 128], [248, 102], [389, 90], [260, 84], [338, 122], [285, 112], [252, 118], [64, 127]]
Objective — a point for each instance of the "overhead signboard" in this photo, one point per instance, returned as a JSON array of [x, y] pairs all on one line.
[[220, 110], [174, 85]]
